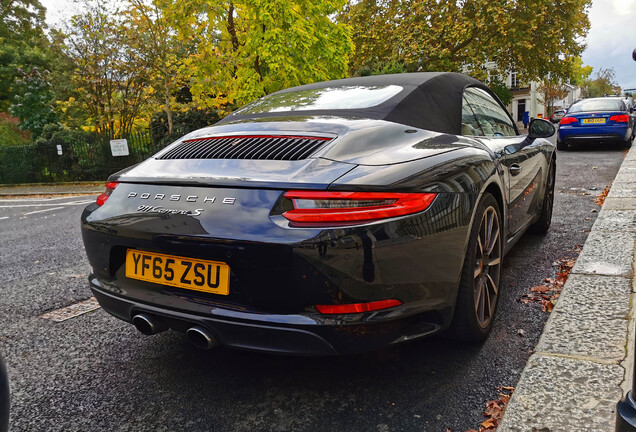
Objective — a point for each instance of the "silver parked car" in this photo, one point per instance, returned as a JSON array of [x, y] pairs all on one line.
[[557, 115]]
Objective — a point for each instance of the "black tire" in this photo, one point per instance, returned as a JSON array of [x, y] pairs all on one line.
[[561, 145], [627, 144], [545, 219], [479, 285]]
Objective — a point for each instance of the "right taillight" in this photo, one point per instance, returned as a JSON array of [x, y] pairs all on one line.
[[620, 118], [567, 120], [326, 208], [110, 187]]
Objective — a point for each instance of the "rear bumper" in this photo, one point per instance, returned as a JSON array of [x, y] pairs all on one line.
[[588, 134], [292, 334]]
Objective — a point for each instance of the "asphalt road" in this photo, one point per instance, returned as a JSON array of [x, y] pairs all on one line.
[[96, 373]]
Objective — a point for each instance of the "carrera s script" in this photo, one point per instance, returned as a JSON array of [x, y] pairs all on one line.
[[331, 218]]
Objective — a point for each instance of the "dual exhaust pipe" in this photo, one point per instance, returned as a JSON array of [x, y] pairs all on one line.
[[199, 336]]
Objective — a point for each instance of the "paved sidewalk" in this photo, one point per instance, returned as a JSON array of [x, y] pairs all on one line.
[[29, 189], [582, 364]]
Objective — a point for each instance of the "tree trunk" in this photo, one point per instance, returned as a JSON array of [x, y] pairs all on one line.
[[169, 113]]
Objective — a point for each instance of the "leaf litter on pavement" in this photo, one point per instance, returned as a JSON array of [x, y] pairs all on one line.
[[494, 411], [549, 291], [600, 199]]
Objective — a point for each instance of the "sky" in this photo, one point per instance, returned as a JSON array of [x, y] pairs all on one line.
[[612, 38], [610, 41]]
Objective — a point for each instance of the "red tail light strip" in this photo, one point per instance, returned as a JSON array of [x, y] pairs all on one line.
[[567, 120], [620, 118], [110, 187], [358, 307], [317, 207]]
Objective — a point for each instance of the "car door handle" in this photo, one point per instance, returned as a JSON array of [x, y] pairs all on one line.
[[515, 169]]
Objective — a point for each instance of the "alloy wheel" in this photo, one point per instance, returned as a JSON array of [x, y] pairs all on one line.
[[487, 267]]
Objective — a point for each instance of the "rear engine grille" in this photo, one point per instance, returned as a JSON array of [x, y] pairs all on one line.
[[248, 147]]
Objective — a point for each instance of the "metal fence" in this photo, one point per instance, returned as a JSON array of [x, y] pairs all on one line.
[[73, 158]]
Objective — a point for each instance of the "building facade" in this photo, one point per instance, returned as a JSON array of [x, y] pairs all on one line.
[[527, 97]]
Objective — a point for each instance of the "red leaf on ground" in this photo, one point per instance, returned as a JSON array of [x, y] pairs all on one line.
[[548, 293], [494, 410], [541, 289]]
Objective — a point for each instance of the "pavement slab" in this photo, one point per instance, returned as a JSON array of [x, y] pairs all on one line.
[[582, 363], [561, 394], [621, 203], [608, 254], [590, 320], [616, 220]]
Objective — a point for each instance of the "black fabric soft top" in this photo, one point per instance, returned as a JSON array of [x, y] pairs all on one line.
[[428, 100]]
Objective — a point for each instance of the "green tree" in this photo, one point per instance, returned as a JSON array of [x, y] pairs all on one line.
[[533, 37], [22, 43], [552, 91], [580, 74], [603, 85], [110, 81], [249, 48], [501, 90], [33, 101], [159, 51], [10, 135]]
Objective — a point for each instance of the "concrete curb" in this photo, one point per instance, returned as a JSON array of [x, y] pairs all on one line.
[[69, 188], [583, 361]]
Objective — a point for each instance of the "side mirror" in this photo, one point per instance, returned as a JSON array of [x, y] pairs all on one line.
[[540, 128]]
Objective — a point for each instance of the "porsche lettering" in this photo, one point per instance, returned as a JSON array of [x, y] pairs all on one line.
[[188, 198]]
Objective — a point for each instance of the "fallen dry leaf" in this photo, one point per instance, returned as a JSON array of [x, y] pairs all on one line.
[[541, 289], [488, 424], [600, 199], [495, 410], [547, 294]]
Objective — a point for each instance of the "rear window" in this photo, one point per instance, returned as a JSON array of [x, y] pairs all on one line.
[[330, 98], [597, 105]]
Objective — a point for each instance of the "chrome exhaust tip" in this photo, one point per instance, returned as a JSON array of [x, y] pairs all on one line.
[[201, 338], [148, 324]]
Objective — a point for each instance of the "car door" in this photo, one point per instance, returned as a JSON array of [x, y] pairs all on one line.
[[520, 159]]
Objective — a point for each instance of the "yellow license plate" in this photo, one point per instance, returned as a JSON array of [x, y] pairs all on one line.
[[594, 121], [180, 272]]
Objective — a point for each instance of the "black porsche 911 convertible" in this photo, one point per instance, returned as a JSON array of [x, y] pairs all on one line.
[[329, 218]]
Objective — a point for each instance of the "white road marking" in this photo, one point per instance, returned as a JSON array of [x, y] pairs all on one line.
[[42, 211], [4, 217], [45, 199], [72, 203]]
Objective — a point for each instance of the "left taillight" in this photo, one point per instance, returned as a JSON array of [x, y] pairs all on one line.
[[110, 187], [323, 208]]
